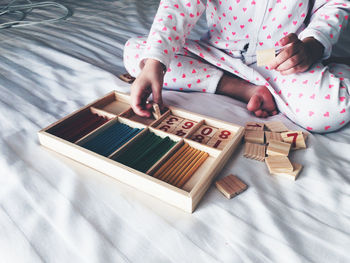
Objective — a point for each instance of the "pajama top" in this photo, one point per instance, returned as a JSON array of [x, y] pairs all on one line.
[[240, 27]]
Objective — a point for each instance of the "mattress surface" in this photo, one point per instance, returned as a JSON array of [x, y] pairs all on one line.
[[53, 209]]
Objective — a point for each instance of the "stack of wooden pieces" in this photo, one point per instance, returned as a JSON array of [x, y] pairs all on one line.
[[279, 141], [230, 186]]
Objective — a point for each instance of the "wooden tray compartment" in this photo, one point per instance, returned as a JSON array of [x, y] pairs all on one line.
[[114, 102], [191, 193], [82, 142], [81, 124]]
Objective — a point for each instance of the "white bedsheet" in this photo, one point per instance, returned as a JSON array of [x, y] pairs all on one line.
[[53, 209]]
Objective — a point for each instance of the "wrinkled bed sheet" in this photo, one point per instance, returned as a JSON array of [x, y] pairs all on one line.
[[53, 209]]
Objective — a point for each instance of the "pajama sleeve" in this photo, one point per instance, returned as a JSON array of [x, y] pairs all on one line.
[[329, 18], [172, 24]]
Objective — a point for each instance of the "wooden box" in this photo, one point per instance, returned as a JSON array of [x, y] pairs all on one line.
[[115, 107]]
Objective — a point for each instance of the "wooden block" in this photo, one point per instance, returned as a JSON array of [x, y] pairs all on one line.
[[254, 151], [220, 139], [230, 186], [295, 138], [276, 136], [127, 78], [156, 111], [170, 123], [255, 126], [254, 136], [291, 175], [197, 137], [265, 56], [207, 130], [278, 164], [276, 126], [184, 128], [278, 148]]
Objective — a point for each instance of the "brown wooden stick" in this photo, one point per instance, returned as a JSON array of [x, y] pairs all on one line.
[[170, 160], [192, 171]]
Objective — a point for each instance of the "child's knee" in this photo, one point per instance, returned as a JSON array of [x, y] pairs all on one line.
[[132, 53], [327, 118]]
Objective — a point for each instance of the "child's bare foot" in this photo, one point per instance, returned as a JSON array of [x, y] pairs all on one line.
[[258, 98]]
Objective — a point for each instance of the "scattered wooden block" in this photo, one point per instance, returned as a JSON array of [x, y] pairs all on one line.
[[291, 175], [278, 164], [265, 56], [276, 126], [184, 128], [278, 148], [276, 136], [254, 151], [127, 78], [255, 126], [230, 186], [254, 136], [156, 111], [295, 138], [220, 139]]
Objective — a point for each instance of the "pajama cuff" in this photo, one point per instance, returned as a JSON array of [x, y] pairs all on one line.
[[214, 81], [164, 59], [308, 32]]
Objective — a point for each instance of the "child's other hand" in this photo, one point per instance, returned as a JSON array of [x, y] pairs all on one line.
[[297, 55], [150, 80]]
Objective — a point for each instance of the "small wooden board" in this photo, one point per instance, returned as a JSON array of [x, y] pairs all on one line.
[[255, 151], [254, 136], [295, 138], [230, 186], [276, 136], [276, 126], [278, 148], [265, 56], [127, 78], [184, 128], [278, 164], [291, 175], [255, 126]]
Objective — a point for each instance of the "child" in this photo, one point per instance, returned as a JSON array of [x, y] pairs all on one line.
[[311, 94]]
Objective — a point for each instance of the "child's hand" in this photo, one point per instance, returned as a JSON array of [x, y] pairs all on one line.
[[149, 81], [296, 56]]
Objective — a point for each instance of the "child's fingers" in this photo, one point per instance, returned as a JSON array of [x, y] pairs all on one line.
[[290, 63], [283, 56], [302, 67], [157, 94], [290, 38]]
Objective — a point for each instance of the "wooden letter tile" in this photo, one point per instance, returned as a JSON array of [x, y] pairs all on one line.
[[278, 164], [296, 138], [265, 56], [276, 126], [220, 139], [255, 126], [230, 186], [291, 175], [276, 136], [254, 151], [278, 148], [254, 136]]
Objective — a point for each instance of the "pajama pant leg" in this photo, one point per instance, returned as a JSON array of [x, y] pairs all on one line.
[[317, 100], [187, 72]]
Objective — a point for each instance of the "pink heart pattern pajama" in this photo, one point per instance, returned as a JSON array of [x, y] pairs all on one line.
[[317, 99]]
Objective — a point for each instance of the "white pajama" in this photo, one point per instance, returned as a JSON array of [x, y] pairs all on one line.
[[317, 100]]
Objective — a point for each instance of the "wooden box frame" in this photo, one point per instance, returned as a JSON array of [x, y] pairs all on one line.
[[114, 105]]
